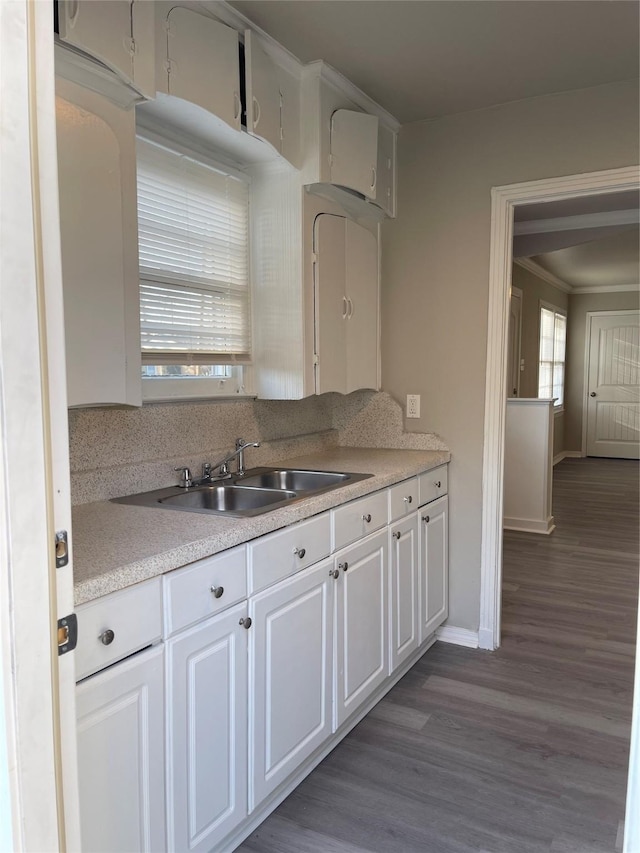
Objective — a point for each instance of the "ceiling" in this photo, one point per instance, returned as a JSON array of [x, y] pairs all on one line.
[[424, 59]]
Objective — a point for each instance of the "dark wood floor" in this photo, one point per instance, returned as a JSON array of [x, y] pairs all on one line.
[[522, 750]]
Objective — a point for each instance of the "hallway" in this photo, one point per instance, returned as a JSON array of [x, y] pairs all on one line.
[[523, 750]]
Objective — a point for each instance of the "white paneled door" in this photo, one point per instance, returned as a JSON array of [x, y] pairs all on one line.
[[613, 386]]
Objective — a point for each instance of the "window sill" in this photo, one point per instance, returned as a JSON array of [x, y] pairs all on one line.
[[167, 390]]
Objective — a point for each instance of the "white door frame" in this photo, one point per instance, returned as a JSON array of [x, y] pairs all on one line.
[[38, 776], [503, 201], [587, 356]]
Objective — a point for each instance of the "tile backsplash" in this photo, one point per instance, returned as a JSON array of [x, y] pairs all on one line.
[[115, 452]]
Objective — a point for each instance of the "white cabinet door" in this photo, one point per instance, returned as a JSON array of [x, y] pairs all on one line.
[[403, 583], [386, 170], [207, 728], [361, 623], [346, 305], [101, 28], [331, 306], [291, 676], [203, 64], [354, 151], [121, 756], [361, 258], [263, 93], [434, 566], [99, 241]]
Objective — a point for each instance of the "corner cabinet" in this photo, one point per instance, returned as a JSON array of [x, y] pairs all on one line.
[[99, 242]]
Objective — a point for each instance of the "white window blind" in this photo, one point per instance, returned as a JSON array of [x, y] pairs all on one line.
[[551, 368], [193, 247]]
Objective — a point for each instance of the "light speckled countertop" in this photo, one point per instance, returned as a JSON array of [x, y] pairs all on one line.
[[117, 545]]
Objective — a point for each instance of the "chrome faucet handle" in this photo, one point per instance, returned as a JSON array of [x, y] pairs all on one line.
[[186, 480]]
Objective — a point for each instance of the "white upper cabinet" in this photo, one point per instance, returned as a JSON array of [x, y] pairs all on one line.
[[346, 300], [386, 170], [263, 93], [99, 238], [354, 151], [348, 140], [118, 33], [202, 64]]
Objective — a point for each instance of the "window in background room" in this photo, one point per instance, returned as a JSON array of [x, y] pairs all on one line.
[[551, 366], [193, 224]]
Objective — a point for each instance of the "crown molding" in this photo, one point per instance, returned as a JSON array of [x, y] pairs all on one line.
[[616, 288], [582, 222], [540, 272]]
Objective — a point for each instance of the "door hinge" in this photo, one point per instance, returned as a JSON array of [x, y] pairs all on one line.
[[316, 360], [67, 633], [62, 549]]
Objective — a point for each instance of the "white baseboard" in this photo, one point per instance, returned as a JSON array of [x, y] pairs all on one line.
[[458, 636], [529, 525], [567, 454], [485, 639]]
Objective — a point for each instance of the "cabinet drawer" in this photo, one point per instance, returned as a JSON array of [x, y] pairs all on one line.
[[208, 586], [359, 518], [433, 484], [281, 554], [403, 499], [133, 616]]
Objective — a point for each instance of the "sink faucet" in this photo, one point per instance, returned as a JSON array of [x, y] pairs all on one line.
[[222, 466]]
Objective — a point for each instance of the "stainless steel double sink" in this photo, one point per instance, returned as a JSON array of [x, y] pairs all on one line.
[[258, 490]]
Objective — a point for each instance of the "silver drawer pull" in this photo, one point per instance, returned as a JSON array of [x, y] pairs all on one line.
[[344, 566], [218, 591], [367, 517], [397, 534], [408, 499], [425, 518], [246, 622], [107, 637], [438, 484], [335, 574], [300, 552]]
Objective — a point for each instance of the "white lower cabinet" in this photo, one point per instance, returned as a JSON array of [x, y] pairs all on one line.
[[121, 756], [404, 625], [361, 630], [291, 643], [434, 566], [207, 731]]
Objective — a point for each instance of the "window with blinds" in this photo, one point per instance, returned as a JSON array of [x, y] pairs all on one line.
[[194, 267], [551, 368]]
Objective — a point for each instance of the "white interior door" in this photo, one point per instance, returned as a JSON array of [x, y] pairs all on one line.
[[515, 338], [613, 387]]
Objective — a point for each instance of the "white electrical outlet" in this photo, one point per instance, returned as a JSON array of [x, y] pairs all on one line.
[[413, 405]]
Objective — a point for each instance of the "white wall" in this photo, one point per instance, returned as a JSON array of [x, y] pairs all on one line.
[[436, 265]]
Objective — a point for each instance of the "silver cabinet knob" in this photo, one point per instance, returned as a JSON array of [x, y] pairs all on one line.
[[344, 566], [592, 394], [397, 534], [300, 552], [217, 591], [246, 622], [408, 499], [425, 518], [107, 637], [438, 484], [335, 574], [367, 517]]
